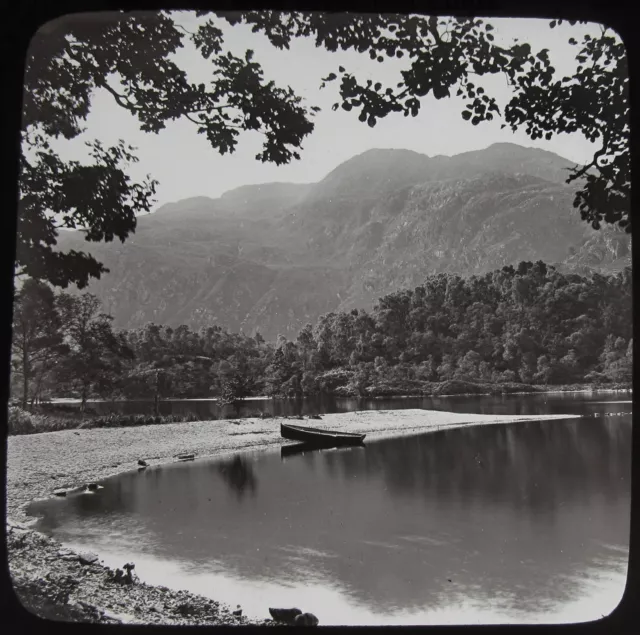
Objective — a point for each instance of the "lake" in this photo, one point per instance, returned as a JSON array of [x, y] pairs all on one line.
[[525, 522], [208, 408]]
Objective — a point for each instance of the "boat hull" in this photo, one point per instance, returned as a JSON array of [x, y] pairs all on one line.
[[317, 437]]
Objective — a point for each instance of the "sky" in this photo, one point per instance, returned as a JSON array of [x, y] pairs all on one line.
[[186, 166]]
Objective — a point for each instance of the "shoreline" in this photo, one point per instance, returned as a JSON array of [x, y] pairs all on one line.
[[558, 390], [39, 464]]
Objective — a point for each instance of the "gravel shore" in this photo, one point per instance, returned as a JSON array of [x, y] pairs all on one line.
[[60, 584]]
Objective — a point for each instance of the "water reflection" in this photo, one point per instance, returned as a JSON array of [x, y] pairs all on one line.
[[310, 448], [324, 404], [410, 526], [238, 475]]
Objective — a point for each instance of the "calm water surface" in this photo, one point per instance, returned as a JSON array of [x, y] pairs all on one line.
[[325, 404], [505, 523]]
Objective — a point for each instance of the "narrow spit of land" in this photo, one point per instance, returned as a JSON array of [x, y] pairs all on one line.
[[56, 583]]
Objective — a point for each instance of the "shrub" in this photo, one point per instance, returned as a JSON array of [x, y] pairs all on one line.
[[596, 377], [24, 422], [458, 387], [20, 421], [515, 387], [332, 379]]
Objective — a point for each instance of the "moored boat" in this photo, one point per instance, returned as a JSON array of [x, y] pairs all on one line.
[[317, 437]]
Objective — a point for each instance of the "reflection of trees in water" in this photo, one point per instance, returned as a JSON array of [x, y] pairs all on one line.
[[310, 458], [532, 466], [238, 474]]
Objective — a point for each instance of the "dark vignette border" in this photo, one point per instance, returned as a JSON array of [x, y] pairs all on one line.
[[24, 17]]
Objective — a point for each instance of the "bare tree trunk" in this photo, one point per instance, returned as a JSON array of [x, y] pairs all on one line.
[[84, 398], [35, 395], [25, 377], [157, 395]]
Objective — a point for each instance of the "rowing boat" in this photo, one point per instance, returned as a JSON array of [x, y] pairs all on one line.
[[317, 437]]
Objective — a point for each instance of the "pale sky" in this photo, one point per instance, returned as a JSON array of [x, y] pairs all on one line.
[[185, 165]]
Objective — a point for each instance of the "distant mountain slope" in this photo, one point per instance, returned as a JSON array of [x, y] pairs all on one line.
[[272, 257], [258, 201], [513, 159], [471, 226]]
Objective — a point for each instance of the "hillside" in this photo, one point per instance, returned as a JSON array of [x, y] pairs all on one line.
[[273, 257]]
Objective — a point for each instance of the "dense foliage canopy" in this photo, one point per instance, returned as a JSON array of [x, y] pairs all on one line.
[[131, 57]]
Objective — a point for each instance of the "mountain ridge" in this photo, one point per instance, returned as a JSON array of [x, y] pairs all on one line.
[[272, 257]]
